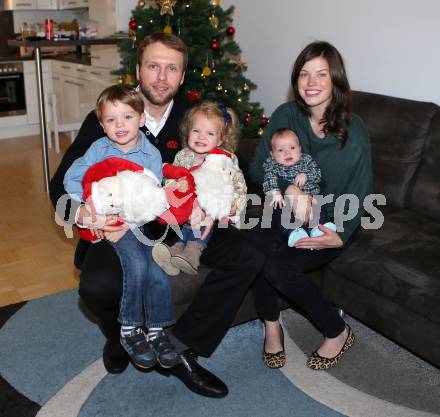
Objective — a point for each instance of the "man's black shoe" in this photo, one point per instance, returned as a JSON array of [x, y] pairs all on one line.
[[197, 378], [114, 357]]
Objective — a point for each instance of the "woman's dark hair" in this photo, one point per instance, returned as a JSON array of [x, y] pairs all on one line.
[[337, 116]]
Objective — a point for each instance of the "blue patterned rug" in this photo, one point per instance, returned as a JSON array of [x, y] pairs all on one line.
[[50, 365]]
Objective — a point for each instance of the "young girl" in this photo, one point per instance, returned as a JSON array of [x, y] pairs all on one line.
[[206, 126]]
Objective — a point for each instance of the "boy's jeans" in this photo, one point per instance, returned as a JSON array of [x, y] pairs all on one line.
[[147, 298], [189, 235]]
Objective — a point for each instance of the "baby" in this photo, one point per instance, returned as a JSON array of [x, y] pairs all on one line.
[[289, 164]]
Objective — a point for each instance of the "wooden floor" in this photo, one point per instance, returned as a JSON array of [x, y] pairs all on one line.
[[35, 255]]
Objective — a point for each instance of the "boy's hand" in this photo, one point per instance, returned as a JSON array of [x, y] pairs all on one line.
[[277, 200], [300, 180], [86, 217], [114, 236]]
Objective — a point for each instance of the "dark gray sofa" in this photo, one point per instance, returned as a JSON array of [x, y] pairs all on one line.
[[389, 278]]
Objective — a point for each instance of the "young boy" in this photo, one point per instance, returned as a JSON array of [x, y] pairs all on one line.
[[289, 164], [147, 294]]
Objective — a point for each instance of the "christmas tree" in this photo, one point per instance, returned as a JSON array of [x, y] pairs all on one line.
[[215, 71]]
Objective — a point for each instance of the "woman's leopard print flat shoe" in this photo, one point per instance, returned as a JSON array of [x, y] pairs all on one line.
[[318, 362], [275, 360]]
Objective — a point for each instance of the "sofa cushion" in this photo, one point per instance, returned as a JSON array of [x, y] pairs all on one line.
[[425, 195], [398, 130], [398, 261]]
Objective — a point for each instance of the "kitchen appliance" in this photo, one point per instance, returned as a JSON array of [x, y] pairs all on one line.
[[12, 95]]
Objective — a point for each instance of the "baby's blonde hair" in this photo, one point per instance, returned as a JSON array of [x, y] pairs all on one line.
[[228, 122]]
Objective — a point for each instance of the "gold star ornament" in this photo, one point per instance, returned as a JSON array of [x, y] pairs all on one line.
[[166, 6]]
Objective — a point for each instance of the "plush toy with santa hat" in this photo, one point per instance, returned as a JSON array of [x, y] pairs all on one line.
[[209, 185], [118, 186]]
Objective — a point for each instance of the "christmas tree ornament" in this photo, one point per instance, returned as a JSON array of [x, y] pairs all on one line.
[[215, 2], [219, 87], [133, 24], [132, 36], [141, 3], [213, 21], [206, 71], [240, 99], [230, 31], [120, 80], [168, 29], [260, 131], [193, 95], [239, 66], [214, 45], [264, 120], [129, 79], [247, 119], [166, 6], [246, 87]]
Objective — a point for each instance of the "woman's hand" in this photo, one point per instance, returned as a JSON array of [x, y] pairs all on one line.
[[328, 240], [301, 203]]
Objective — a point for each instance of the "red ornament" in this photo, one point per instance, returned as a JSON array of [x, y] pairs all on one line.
[[172, 144], [214, 45], [264, 121], [193, 95], [133, 24], [230, 31], [247, 119]]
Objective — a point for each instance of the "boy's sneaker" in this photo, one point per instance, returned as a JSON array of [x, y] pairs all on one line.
[[138, 348], [164, 350]]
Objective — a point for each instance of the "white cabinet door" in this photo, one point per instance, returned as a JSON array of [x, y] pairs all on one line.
[[105, 56], [20, 4], [112, 15], [47, 4], [100, 78]]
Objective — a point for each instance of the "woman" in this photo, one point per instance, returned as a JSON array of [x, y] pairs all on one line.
[[338, 141]]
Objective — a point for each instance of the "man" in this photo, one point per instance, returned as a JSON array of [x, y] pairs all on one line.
[[160, 70]]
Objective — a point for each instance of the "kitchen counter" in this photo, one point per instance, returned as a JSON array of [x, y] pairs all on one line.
[[83, 59]]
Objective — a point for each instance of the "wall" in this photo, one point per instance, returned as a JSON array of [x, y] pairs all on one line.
[[389, 46]]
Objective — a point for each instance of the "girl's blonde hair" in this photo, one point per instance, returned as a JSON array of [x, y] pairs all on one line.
[[226, 116]]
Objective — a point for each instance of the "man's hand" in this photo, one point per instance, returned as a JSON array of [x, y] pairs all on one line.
[[277, 199], [97, 223], [114, 236], [300, 180]]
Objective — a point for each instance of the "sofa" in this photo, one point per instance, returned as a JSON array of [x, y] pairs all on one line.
[[389, 278]]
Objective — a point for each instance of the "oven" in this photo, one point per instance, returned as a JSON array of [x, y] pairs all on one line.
[[12, 95]]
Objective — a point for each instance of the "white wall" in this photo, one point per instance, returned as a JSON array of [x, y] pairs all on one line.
[[390, 47]]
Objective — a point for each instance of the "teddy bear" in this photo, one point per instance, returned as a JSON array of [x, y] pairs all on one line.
[[118, 186], [210, 185]]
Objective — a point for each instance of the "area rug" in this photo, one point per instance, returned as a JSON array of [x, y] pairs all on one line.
[[51, 366]]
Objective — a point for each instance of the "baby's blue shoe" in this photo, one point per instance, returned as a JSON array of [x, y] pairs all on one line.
[[315, 232], [296, 235]]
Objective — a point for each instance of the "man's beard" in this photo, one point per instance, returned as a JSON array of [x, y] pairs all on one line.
[[149, 95]]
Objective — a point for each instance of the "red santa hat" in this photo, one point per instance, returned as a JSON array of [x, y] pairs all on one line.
[[219, 151]]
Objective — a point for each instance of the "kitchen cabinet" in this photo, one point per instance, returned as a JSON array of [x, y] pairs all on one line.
[[44, 4], [113, 15], [77, 87], [47, 4], [72, 4], [19, 4]]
